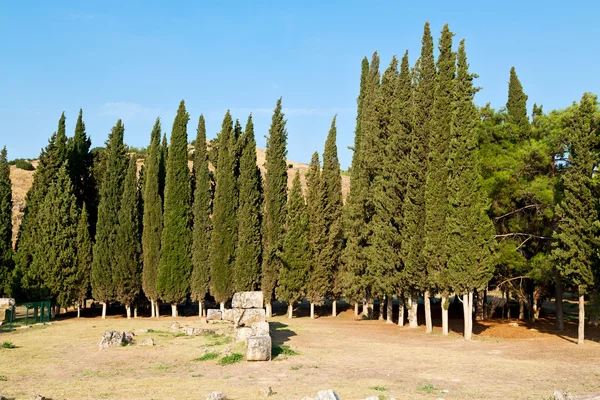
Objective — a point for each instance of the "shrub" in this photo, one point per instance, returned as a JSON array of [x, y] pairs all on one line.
[[22, 164], [231, 359], [8, 345], [206, 357], [283, 349]]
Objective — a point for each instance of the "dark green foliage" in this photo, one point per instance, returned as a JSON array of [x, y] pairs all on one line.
[[111, 192], [80, 164], [436, 195], [516, 106], [175, 265], [84, 256], [162, 167], [23, 164], [317, 238], [127, 271], [275, 201], [295, 255], [201, 212], [224, 234], [575, 249], [6, 256], [152, 219], [231, 359], [54, 255], [470, 232], [414, 201], [248, 256]]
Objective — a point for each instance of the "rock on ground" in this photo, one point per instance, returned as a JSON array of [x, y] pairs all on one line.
[[266, 392], [327, 395], [213, 315], [259, 348], [248, 300], [217, 396], [147, 342], [175, 326], [114, 338], [245, 317], [35, 396]]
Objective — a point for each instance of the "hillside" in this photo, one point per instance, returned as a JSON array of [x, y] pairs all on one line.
[[22, 180]]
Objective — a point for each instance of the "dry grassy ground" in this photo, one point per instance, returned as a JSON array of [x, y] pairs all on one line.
[[356, 358]]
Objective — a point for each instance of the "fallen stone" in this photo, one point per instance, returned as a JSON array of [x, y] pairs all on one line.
[[248, 300], [217, 396], [557, 395], [266, 392], [213, 315], [114, 339], [243, 333], [228, 315], [227, 351], [245, 317], [260, 328], [147, 342], [327, 395], [513, 324], [259, 348], [35, 396], [175, 326]]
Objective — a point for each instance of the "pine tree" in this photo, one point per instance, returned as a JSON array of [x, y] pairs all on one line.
[[152, 219], [127, 271], [275, 203], [295, 257], [575, 249], [223, 238], [470, 232], [436, 194], [84, 258], [175, 265], [54, 254], [104, 257], [6, 256], [248, 256], [201, 211], [414, 201], [517, 106]]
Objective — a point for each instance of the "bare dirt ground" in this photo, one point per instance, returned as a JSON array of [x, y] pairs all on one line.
[[355, 358]]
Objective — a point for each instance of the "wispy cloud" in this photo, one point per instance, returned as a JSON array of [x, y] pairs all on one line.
[[80, 16]]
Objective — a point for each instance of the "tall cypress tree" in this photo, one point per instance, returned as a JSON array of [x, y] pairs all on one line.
[[295, 255], [84, 257], [222, 246], [80, 164], [469, 230], [6, 256], [175, 265], [201, 212], [575, 249], [414, 201], [127, 271], [104, 257], [152, 219], [516, 106], [162, 167], [275, 203], [436, 194], [248, 256]]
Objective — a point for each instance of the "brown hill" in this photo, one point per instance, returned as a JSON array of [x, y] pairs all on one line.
[[22, 180]]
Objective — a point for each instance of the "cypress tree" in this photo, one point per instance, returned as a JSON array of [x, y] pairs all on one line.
[[104, 255], [436, 194], [201, 212], [316, 284], [175, 265], [80, 164], [248, 256], [84, 258], [516, 106], [295, 257], [6, 256], [126, 274], [470, 232], [223, 238], [162, 171], [414, 201], [54, 255], [575, 248], [275, 203], [331, 182], [152, 219]]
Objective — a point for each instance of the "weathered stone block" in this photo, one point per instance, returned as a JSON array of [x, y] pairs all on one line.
[[245, 317], [217, 396], [260, 329], [175, 326], [228, 315], [327, 395], [114, 338], [243, 333], [248, 300], [213, 315], [147, 342], [259, 348]]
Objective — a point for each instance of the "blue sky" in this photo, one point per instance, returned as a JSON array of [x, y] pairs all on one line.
[[137, 60]]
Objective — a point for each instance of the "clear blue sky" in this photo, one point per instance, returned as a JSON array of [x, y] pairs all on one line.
[[137, 60]]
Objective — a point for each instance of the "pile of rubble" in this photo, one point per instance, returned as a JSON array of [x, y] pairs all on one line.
[[115, 339]]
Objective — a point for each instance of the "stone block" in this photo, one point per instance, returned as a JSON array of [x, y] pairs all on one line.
[[260, 329], [217, 396], [243, 333], [213, 314], [259, 348], [248, 300], [114, 339], [245, 317], [327, 395], [228, 315]]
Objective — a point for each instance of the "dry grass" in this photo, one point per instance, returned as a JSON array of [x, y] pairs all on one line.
[[356, 358]]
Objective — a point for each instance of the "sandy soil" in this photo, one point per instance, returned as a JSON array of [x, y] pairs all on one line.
[[355, 358]]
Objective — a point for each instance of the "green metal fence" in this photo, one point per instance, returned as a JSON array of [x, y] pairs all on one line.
[[30, 313]]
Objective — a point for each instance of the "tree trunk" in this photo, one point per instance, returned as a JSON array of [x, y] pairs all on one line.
[[152, 310], [486, 312], [389, 310], [365, 308], [445, 306], [381, 308], [157, 305], [480, 304], [128, 311], [428, 322], [507, 304], [78, 310], [135, 310], [581, 330], [312, 310], [334, 308], [356, 309], [290, 310], [269, 310], [468, 316], [200, 308], [173, 310], [222, 306], [104, 310], [521, 309], [413, 306], [400, 310]]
